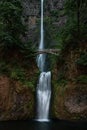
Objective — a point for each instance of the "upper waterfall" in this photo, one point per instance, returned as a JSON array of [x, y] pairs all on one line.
[[41, 46], [41, 57]]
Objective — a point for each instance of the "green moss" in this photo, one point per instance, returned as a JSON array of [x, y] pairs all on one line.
[[54, 13], [82, 60], [3, 67], [18, 72], [81, 79]]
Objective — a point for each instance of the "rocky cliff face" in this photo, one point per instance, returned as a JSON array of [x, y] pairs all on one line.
[[18, 77], [16, 100], [31, 16], [70, 93]]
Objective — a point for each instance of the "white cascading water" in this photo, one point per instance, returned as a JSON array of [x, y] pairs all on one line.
[[44, 85], [41, 57]]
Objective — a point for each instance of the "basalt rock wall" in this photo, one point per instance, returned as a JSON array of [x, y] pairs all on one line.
[[31, 16]]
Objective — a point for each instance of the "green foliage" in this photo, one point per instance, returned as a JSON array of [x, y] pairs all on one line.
[[54, 13], [17, 74], [11, 26], [82, 79], [27, 49], [12, 29], [50, 31], [76, 11], [75, 28], [82, 60], [61, 79], [62, 82], [3, 67], [29, 84], [20, 75]]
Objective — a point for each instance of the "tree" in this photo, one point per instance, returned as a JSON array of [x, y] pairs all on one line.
[[11, 26], [76, 11]]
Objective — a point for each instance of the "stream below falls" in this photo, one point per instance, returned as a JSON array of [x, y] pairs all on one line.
[[35, 125]]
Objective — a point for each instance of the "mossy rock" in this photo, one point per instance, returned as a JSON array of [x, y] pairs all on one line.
[[70, 102]]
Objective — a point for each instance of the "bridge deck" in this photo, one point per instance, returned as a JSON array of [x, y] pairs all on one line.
[[49, 51]]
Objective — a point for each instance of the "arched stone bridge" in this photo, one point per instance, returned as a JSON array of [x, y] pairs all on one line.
[[48, 51]]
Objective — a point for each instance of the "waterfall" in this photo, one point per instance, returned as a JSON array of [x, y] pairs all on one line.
[[44, 84], [41, 57]]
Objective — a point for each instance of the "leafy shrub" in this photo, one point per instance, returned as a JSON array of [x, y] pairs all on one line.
[[75, 28], [82, 60], [3, 68], [17, 74], [11, 26], [12, 29], [82, 79]]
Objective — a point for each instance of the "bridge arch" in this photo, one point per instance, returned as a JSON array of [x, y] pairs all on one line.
[[48, 51]]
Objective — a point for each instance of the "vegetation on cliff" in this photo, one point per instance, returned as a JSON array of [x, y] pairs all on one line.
[[15, 54], [71, 75], [18, 67], [18, 71]]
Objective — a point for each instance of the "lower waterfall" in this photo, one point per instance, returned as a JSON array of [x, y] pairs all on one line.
[[43, 96]]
